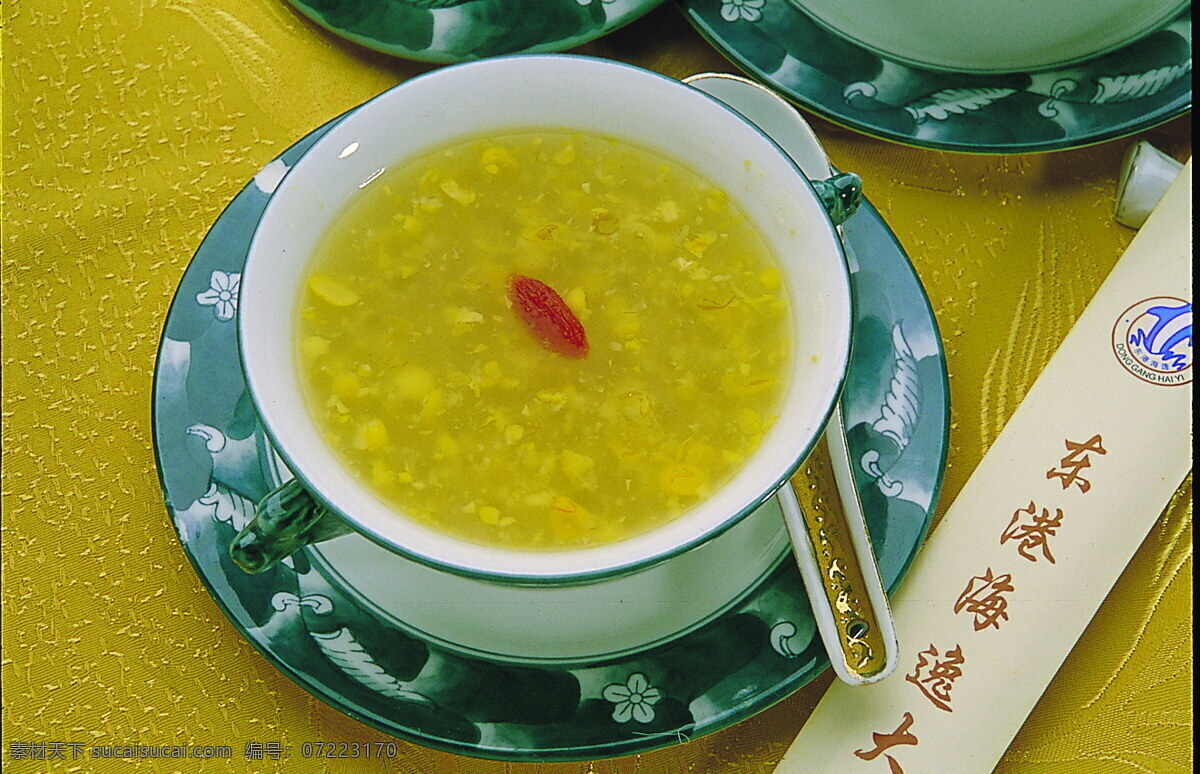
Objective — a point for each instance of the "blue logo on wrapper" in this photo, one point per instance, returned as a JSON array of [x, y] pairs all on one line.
[[1153, 340]]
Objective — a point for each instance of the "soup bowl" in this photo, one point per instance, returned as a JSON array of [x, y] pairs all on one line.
[[796, 218]]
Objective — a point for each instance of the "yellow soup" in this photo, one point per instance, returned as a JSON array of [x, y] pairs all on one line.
[[430, 377]]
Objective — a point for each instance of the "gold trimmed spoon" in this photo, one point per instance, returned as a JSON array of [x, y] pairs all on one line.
[[821, 506]]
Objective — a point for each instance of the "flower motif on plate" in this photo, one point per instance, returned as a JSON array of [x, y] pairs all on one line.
[[732, 10], [221, 294], [634, 699]]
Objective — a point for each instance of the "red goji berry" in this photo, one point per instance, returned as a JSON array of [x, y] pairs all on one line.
[[548, 317]]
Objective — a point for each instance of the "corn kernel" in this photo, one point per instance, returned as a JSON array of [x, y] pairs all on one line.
[[552, 399], [371, 435], [314, 346], [464, 315], [332, 291], [491, 374], [769, 279], [457, 192], [433, 404], [668, 210], [569, 520], [413, 382], [579, 468], [576, 298], [564, 504], [717, 201], [345, 385], [376, 434], [497, 157], [627, 325]]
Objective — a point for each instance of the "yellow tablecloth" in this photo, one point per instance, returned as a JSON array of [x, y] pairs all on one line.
[[129, 126]]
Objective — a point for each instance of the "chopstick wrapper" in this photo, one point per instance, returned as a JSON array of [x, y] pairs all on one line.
[[1038, 535]]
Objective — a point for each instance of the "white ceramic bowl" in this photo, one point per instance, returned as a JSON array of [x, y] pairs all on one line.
[[992, 37], [555, 92]]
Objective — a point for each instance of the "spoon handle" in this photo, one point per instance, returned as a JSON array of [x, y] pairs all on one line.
[[829, 540]]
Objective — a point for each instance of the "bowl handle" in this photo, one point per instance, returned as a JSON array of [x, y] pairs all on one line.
[[840, 195], [285, 520]]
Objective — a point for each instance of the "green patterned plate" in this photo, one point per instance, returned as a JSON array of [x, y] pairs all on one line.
[[456, 30], [1109, 96], [337, 641]]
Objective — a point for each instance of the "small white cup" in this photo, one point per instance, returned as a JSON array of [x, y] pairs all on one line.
[[556, 92]]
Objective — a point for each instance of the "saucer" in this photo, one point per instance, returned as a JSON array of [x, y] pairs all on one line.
[[458, 689], [457, 30], [1099, 98]]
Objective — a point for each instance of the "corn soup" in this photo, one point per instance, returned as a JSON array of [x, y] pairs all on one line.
[[543, 340]]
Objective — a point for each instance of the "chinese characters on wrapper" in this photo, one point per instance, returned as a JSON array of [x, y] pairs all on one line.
[[1030, 530]]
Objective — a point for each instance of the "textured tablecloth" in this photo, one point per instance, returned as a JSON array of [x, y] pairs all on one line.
[[129, 126]]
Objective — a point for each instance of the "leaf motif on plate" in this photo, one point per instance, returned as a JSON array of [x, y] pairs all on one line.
[[229, 506], [898, 413], [319, 603], [1125, 88], [347, 654], [214, 439], [901, 407], [782, 635], [943, 104]]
